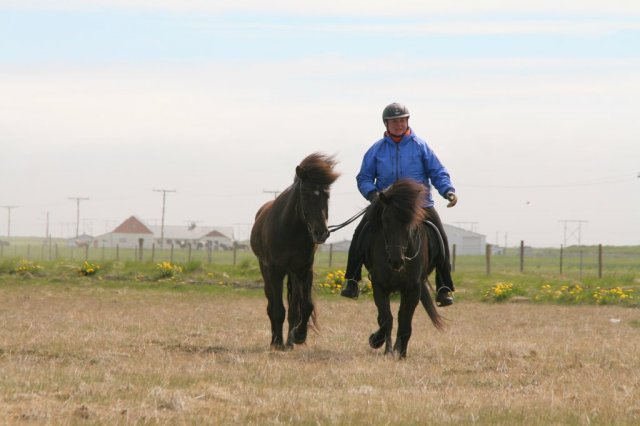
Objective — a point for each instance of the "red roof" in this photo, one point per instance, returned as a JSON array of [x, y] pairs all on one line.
[[132, 226], [215, 233]]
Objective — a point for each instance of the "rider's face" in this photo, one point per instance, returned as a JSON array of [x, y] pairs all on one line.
[[397, 126]]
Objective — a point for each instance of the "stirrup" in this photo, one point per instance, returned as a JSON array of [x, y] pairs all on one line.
[[444, 296]]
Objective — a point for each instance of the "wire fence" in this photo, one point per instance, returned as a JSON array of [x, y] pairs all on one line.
[[575, 261]]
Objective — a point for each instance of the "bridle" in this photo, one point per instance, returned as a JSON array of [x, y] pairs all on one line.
[[317, 188], [403, 249]]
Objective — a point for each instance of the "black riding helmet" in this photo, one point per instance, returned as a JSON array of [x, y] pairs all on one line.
[[394, 110]]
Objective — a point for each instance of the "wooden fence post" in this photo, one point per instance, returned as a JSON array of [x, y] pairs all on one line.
[[487, 256], [140, 244], [171, 257], [453, 258], [599, 260], [209, 253], [235, 252], [521, 256], [86, 252], [153, 252], [188, 252]]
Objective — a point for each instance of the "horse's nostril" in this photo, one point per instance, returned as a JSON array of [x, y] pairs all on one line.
[[396, 265], [322, 237]]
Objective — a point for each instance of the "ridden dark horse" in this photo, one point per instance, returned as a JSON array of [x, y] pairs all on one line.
[[284, 237], [399, 259]]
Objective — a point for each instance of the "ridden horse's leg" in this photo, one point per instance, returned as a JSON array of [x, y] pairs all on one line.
[[385, 320], [304, 308], [275, 306], [408, 302]]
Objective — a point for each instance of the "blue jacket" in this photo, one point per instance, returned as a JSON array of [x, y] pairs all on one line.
[[387, 161]]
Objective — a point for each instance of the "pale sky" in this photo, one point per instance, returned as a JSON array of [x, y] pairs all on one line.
[[534, 109]]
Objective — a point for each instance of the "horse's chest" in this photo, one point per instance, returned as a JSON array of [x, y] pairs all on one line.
[[390, 280]]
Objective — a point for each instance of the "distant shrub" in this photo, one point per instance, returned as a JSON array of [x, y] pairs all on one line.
[[168, 269], [615, 295], [499, 292], [334, 281], [87, 269], [26, 267]]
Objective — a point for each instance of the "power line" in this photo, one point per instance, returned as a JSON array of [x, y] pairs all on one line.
[[275, 193], [600, 181], [471, 225]]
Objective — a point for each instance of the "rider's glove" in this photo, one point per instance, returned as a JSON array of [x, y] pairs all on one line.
[[453, 199], [373, 196]]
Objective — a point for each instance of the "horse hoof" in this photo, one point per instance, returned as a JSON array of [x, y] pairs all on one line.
[[375, 344], [296, 338], [277, 347]]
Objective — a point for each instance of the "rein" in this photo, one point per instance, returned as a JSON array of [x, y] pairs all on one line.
[[417, 250], [333, 228]]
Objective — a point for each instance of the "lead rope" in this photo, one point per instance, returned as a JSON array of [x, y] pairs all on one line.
[[347, 222]]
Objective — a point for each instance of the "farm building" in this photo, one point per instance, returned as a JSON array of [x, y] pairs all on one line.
[[127, 235], [219, 238], [133, 230], [467, 242]]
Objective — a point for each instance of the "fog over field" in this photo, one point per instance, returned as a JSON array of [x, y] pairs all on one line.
[[532, 108]]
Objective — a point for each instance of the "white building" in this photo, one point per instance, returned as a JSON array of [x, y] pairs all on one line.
[[133, 231], [466, 242]]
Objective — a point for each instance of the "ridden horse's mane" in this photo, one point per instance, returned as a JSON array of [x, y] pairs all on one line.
[[406, 197], [317, 169]]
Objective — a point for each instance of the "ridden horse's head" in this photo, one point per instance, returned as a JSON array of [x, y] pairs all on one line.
[[401, 212], [314, 176]]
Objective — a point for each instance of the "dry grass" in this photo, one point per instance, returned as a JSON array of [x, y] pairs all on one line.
[[85, 354]]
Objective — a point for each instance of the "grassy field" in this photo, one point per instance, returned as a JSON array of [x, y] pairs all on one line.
[[80, 350]]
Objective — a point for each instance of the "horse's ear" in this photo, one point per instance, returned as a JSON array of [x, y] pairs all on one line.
[[300, 172]]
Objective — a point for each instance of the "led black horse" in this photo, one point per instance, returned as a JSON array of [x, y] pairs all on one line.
[[284, 237], [400, 254]]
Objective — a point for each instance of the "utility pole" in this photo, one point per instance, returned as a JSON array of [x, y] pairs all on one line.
[[78, 199], [8, 220], [574, 227], [275, 193], [164, 198]]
